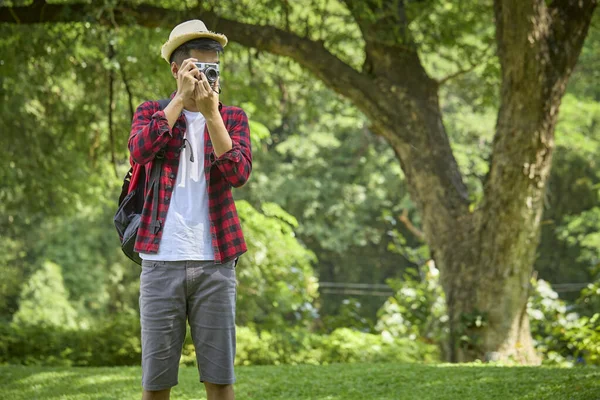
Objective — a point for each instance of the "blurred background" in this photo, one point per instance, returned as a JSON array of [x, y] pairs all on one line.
[[337, 269]]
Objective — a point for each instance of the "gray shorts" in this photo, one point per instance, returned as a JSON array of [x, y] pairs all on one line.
[[202, 292]]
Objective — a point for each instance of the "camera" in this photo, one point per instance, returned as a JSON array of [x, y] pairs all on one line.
[[210, 70]]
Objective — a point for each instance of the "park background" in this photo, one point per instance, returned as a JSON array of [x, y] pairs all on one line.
[[340, 267]]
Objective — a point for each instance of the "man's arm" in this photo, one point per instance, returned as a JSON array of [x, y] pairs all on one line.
[[151, 130], [236, 163], [219, 137], [232, 152]]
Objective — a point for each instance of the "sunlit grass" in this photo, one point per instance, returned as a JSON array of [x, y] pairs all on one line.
[[333, 382]]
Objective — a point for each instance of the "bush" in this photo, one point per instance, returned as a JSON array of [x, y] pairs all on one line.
[[346, 345], [44, 300], [417, 310], [277, 286], [562, 336], [115, 343], [110, 342], [348, 316], [341, 346]]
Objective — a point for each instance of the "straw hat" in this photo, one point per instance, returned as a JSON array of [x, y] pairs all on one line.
[[187, 31]]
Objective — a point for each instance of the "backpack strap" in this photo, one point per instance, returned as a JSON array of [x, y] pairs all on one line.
[[155, 186], [155, 173], [155, 177]]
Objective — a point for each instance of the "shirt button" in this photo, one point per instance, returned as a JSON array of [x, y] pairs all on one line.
[[167, 198], [169, 187], [172, 176]]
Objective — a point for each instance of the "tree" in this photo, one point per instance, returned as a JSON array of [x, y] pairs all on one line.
[[485, 250], [45, 301]]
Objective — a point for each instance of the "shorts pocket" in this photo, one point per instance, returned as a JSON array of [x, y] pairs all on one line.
[[230, 264]]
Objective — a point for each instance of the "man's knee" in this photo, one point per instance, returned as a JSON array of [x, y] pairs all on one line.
[[217, 387], [156, 394]]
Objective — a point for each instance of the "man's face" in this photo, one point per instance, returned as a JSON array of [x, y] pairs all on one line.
[[204, 56]]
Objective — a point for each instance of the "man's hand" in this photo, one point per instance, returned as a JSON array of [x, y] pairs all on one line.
[[187, 77], [206, 97]]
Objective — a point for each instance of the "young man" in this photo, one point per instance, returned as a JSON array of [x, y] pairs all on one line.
[[190, 239]]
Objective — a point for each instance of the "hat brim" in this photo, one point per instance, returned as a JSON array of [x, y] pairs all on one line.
[[169, 47]]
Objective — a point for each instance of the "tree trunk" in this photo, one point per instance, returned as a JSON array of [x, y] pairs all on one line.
[[485, 256], [485, 272]]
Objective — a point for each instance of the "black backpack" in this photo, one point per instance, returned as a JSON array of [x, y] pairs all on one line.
[[128, 216]]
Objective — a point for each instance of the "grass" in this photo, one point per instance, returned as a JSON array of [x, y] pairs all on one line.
[[333, 382]]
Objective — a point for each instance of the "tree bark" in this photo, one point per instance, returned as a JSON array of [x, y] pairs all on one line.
[[485, 256]]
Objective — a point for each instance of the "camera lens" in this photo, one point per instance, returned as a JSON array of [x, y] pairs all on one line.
[[211, 74]]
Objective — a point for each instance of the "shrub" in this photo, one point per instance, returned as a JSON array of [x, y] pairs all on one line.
[[114, 343], [417, 310], [562, 336], [44, 300], [348, 316], [343, 345], [109, 342]]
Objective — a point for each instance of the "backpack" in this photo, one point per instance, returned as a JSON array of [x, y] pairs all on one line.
[[128, 217]]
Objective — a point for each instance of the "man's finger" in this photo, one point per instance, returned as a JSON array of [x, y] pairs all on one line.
[[200, 88], [188, 65], [192, 74], [215, 85], [204, 82], [188, 61]]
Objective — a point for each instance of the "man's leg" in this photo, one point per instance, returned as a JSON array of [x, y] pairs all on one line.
[[219, 392], [211, 313], [163, 315], [156, 394]]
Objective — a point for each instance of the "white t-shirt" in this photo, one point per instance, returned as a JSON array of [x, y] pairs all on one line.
[[186, 232]]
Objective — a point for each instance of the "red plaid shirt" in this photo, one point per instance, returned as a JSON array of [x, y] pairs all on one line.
[[150, 132]]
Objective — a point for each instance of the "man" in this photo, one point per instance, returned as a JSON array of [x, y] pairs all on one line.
[[190, 239]]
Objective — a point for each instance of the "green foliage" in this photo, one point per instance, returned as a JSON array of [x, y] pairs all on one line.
[[324, 166], [117, 342], [581, 231], [342, 345], [13, 272], [418, 309], [569, 248], [113, 341], [349, 315], [562, 336], [44, 300], [99, 278], [277, 286], [589, 301], [347, 345]]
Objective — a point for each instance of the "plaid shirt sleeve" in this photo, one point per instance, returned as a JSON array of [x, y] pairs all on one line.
[[236, 164], [150, 132]]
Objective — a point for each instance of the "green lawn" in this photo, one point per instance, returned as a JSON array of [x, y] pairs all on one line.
[[339, 381]]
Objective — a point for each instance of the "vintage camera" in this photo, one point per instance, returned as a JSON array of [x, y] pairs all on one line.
[[211, 71]]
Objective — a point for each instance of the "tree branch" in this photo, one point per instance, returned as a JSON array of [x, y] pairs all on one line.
[[312, 55], [569, 26], [111, 107], [128, 90], [457, 74], [399, 98], [463, 71], [410, 226]]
